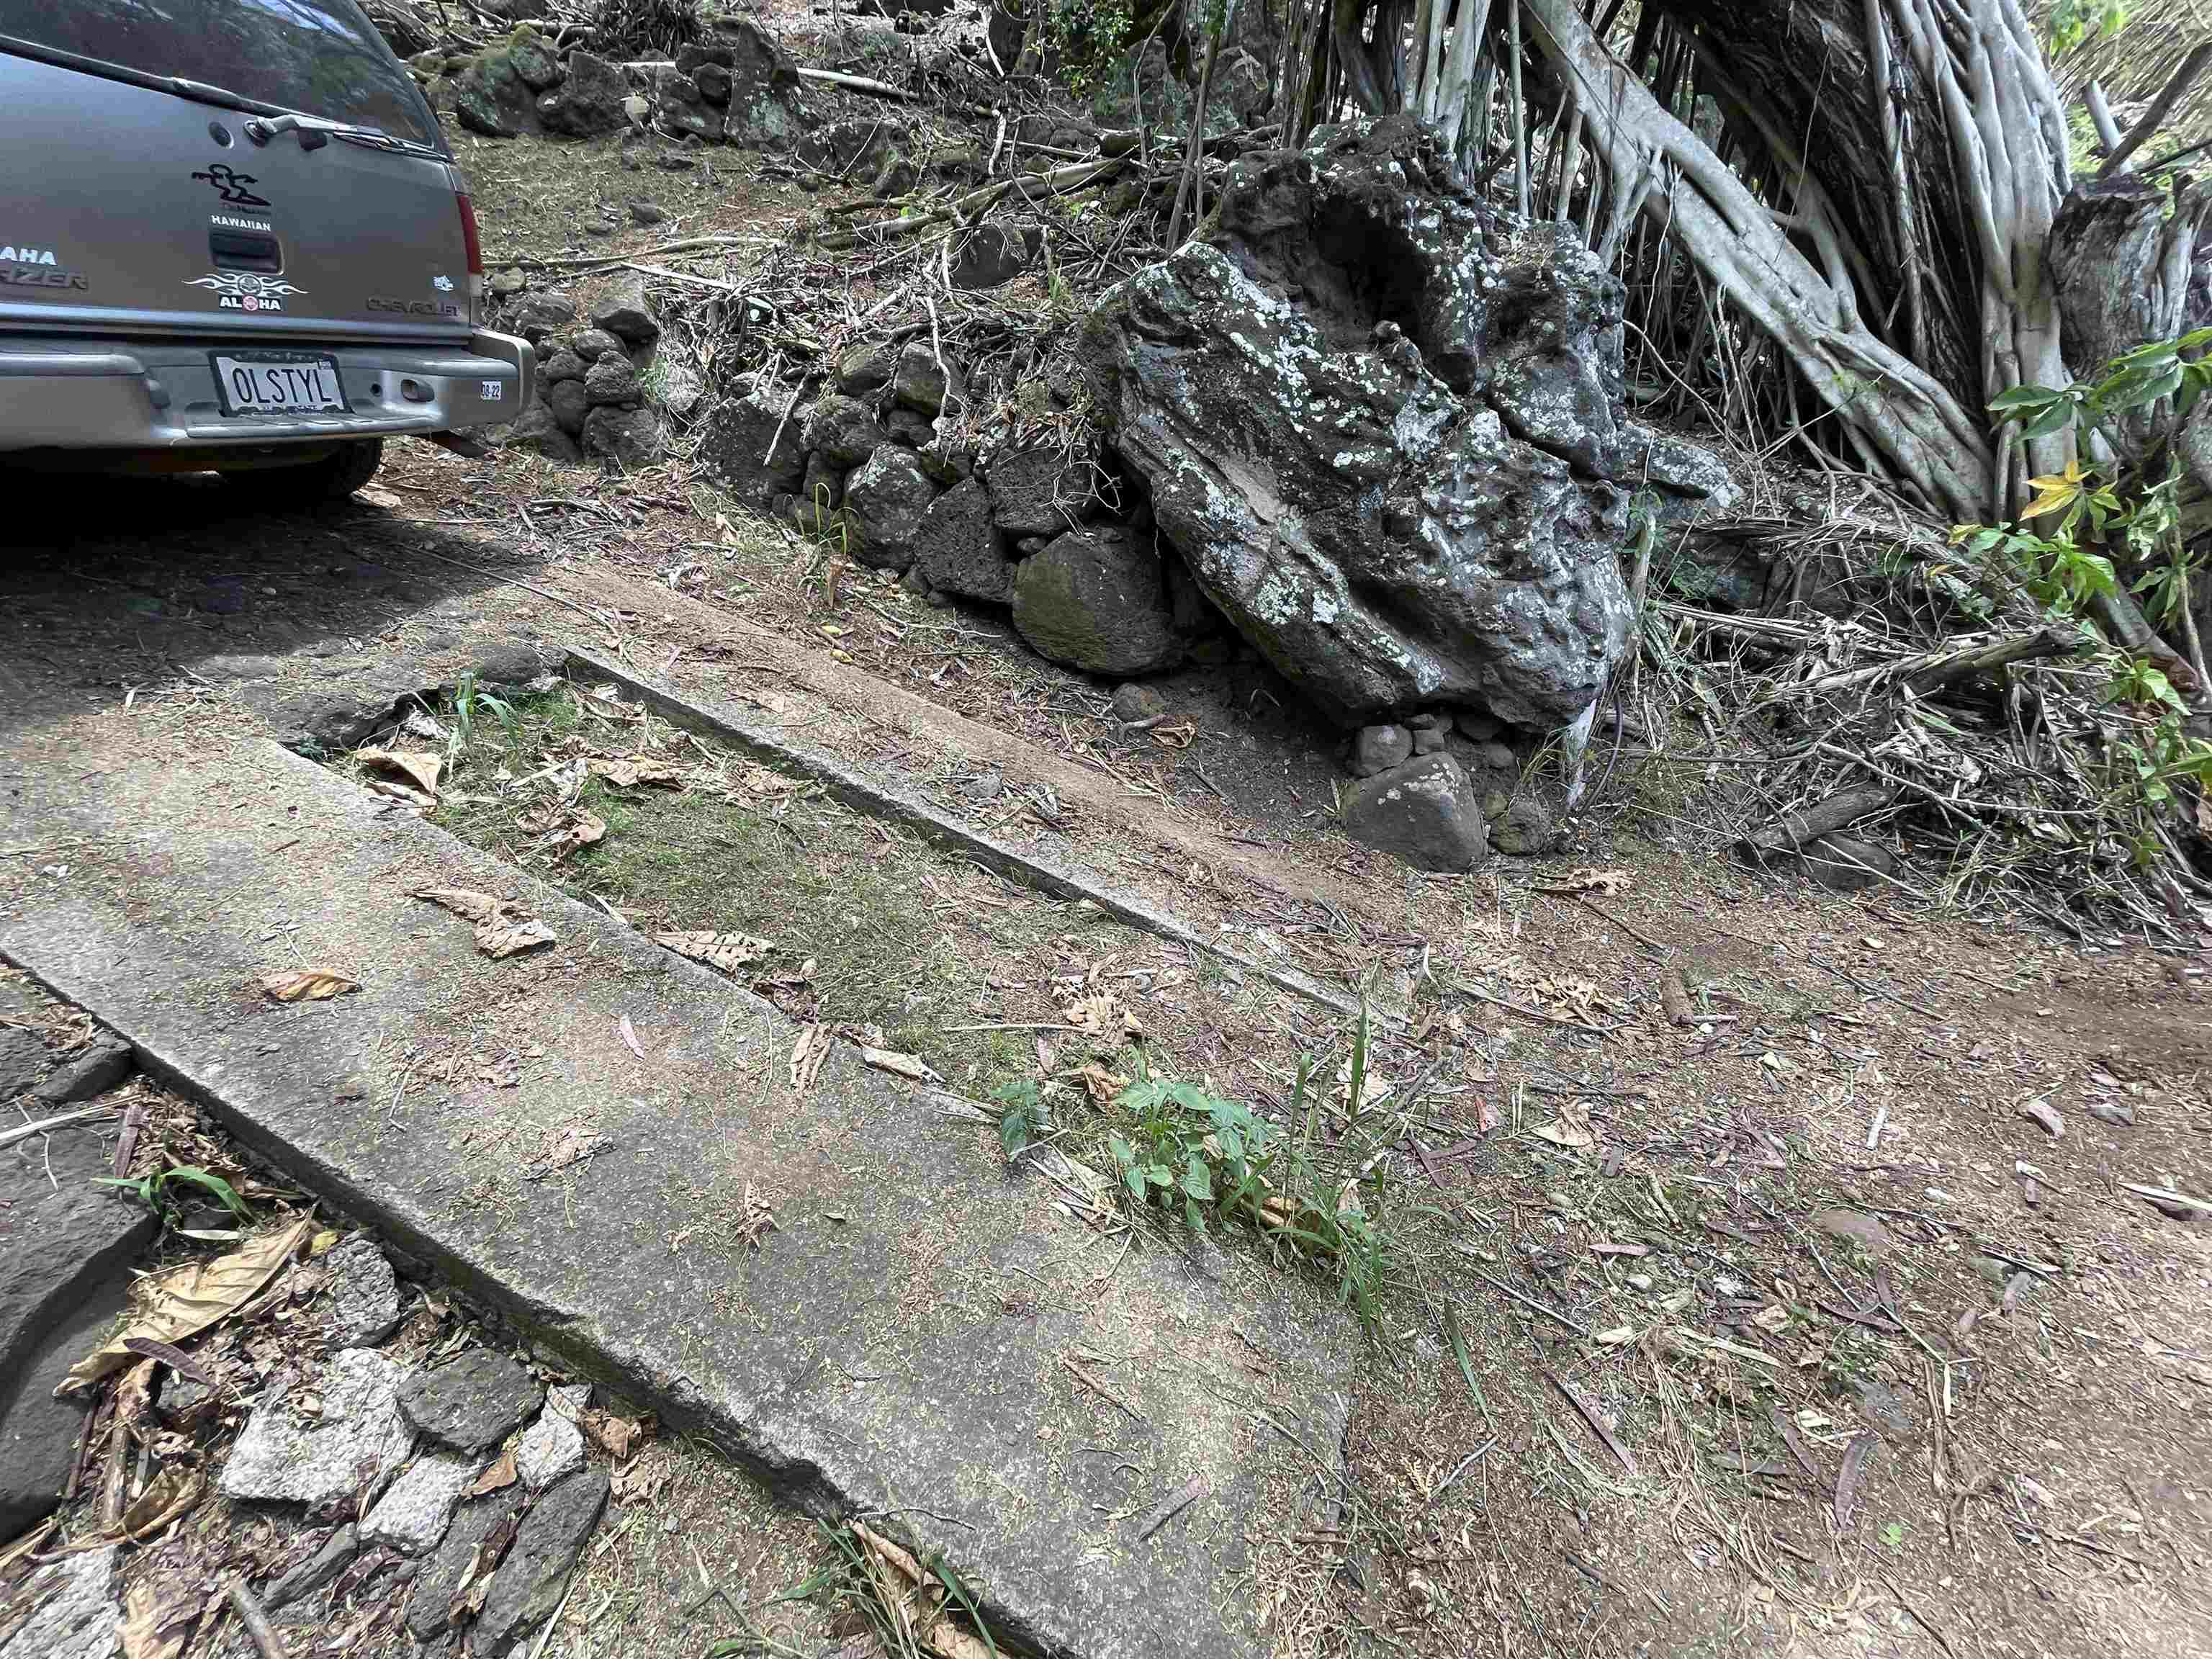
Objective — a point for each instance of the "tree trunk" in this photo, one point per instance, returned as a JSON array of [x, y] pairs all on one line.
[[1894, 408]]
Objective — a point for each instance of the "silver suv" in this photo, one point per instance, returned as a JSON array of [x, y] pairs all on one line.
[[232, 237]]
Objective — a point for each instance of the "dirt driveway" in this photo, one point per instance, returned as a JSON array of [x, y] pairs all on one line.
[[1820, 1318]]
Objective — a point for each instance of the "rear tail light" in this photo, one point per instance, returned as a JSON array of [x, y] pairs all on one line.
[[473, 246]]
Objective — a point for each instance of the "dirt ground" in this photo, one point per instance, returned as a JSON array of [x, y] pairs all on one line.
[[1784, 1329]]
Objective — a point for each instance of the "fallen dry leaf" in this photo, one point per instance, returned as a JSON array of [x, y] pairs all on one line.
[[629, 1036], [576, 1144], [418, 766], [1573, 1127], [806, 1056], [727, 951], [616, 1436], [501, 941], [909, 1066], [631, 770], [1587, 880], [1099, 1015], [465, 902], [1175, 737], [307, 985], [169, 1494], [156, 1626], [502, 1474], [1101, 1085], [583, 830], [184, 1302], [759, 780]]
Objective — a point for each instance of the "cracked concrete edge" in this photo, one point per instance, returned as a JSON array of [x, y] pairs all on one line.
[[796, 1480], [881, 799]]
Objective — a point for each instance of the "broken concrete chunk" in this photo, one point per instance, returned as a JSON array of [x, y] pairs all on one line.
[[72, 1608], [445, 1575], [364, 1295], [550, 1448], [357, 1438], [472, 1402], [106, 1063], [1424, 812], [318, 1570], [411, 1516], [530, 1582]]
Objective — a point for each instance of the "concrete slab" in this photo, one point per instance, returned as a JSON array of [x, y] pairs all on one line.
[[917, 1335]]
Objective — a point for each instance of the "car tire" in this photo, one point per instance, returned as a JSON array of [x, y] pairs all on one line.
[[329, 479]]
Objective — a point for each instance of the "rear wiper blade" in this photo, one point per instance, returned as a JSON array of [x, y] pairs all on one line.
[[318, 128]]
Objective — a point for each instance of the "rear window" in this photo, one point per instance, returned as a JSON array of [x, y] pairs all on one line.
[[318, 57]]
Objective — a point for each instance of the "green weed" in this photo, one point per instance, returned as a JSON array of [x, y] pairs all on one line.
[[158, 1192]]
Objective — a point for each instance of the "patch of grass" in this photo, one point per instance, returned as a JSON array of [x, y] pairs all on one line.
[[160, 1192], [826, 885]]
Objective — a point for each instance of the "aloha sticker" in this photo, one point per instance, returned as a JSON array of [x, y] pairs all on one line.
[[243, 290]]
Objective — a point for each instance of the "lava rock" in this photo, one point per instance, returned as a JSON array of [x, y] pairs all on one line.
[[1094, 600], [412, 1515], [491, 97], [1477, 726], [1427, 740], [865, 368], [588, 104], [910, 427], [822, 487], [359, 1437], [681, 107], [853, 149], [922, 383], [1379, 747], [529, 1584], [539, 314], [631, 437], [645, 211], [1424, 812], [1038, 492], [569, 403], [625, 311], [539, 431], [956, 547], [679, 390], [993, 255], [1330, 474], [765, 108], [1552, 364], [844, 432], [430, 1604], [473, 1401], [563, 365], [593, 343], [1844, 864], [335, 1556], [364, 1294], [611, 380], [1139, 705], [751, 447], [884, 503], [550, 1449], [713, 81], [1525, 828], [1496, 756]]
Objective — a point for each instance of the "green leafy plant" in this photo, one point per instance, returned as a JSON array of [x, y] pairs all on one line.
[[1087, 39], [472, 703], [2073, 22], [1022, 1119], [158, 1192]]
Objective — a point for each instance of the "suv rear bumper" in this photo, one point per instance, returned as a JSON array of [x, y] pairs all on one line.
[[89, 393]]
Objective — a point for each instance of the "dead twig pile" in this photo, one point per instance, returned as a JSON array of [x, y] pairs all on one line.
[[1902, 713]]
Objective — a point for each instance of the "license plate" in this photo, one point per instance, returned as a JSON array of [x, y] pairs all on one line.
[[278, 383]]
